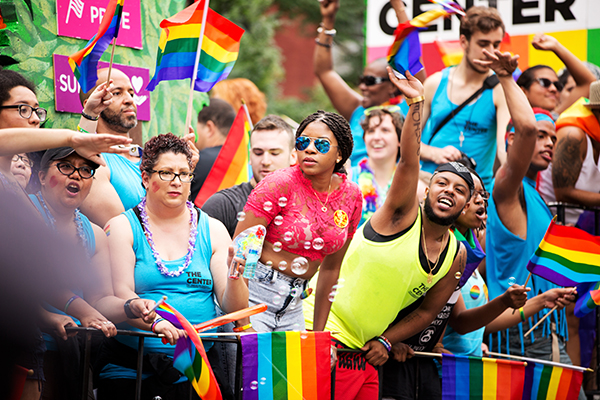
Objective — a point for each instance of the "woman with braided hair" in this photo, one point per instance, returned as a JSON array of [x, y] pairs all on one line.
[[311, 211]]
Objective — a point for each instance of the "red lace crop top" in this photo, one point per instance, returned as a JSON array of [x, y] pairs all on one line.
[[286, 199]]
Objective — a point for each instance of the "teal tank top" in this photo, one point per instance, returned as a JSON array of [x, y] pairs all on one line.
[[191, 293], [477, 122], [126, 178]]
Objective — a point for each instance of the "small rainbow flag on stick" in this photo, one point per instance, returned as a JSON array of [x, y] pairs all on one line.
[[286, 365], [481, 378], [189, 357], [231, 166], [178, 46], [567, 256], [545, 382], [588, 300], [84, 63]]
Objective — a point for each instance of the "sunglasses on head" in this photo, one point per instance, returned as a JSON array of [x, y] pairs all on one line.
[[370, 80], [545, 83], [391, 109], [322, 145]]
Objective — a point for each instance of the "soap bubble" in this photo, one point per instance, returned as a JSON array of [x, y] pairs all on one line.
[[512, 281], [303, 335], [263, 380], [267, 206], [269, 264], [254, 385], [457, 275], [331, 296], [341, 282], [318, 243], [288, 236], [307, 245], [282, 265], [296, 327], [241, 216], [283, 289], [277, 247], [295, 292], [276, 299], [282, 201], [278, 220], [299, 265]]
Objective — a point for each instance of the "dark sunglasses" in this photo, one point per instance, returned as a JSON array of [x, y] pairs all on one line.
[[25, 111], [68, 169], [390, 109], [545, 83], [322, 145], [370, 80]]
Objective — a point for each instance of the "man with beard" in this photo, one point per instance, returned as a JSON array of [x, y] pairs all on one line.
[[117, 187], [480, 125], [398, 255]]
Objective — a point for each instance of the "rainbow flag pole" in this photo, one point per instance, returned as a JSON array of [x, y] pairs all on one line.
[[188, 117], [535, 360]]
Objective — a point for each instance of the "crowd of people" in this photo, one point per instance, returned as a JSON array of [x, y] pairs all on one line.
[[402, 223]]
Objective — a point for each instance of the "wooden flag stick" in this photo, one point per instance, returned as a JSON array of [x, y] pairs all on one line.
[[112, 56], [535, 360], [188, 118], [525, 285], [540, 321]]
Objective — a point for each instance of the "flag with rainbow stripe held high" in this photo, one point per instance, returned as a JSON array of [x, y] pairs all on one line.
[[546, 382], [179, 42], [286, 365], [589, 298], [231, 165], [84, 63], [189, 357], [567, 256], [481, 378]]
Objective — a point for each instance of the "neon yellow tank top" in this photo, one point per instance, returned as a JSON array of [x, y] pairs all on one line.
[[379, 280]]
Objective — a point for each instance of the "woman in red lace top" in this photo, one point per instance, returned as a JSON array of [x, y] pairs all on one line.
[[311, 211]]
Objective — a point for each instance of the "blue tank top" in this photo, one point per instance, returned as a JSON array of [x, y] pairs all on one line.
[[508, 254], [477, 121], [191, 293], [88, 233], [474, 294], [126, 178]]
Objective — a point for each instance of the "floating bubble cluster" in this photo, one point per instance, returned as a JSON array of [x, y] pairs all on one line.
[[299, 266], [277, 247], [283, 265], [282, 201], [267, 206], [318, 244], [307, 245], [278, 220], [288, 236]]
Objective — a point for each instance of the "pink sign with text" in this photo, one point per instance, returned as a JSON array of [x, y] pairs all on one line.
[[66, 87], [81, 18]]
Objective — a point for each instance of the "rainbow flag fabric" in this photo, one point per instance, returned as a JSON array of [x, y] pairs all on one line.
[[84, 63], [189, 357], [473, 378], [179, 41], [588, 299], [546, 382], [405, 53], [231, 165], [474, 256], [582, 117], [286, 365], [567, 256]]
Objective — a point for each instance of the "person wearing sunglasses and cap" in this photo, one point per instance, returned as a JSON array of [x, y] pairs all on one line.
[[374, 85], [311, 211], [541, 84]]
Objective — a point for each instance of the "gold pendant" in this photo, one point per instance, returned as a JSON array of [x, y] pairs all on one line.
[[429, 278]]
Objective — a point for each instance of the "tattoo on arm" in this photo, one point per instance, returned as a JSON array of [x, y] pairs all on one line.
[[567, 162], [416, 117]]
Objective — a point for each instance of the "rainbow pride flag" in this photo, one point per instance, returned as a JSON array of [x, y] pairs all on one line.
[[405, 53], [588, 299], [84, 63], [286, 365], [179, 41], [481, 378], [231, 166], [546, 382], [580, 116], [189, 357], [567, 256], [474, 256]]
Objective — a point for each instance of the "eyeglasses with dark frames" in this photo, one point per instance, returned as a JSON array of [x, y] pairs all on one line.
[[24, 159], [25, 111], [169, 176], [68, 169]]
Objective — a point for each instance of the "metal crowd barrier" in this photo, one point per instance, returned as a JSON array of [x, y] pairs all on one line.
[[560, 217]]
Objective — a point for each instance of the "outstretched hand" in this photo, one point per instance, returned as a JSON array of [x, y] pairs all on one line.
[[544, 42], [90, 146], [503, 64], [99, 100], [410, 87]]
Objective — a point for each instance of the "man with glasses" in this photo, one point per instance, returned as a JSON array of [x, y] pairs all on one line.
[[375, 86], [477, 129]]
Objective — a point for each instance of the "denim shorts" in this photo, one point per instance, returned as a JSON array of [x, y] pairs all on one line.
[[281, 294]]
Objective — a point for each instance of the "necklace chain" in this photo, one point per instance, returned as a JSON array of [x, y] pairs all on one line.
[[191, 241], [430, 275], [324, 205]]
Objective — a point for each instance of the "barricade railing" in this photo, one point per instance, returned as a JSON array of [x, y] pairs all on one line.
[[560, 217]]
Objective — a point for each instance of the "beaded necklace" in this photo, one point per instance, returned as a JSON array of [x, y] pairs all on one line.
[[373, 195], [191, 241], [76, 219]]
